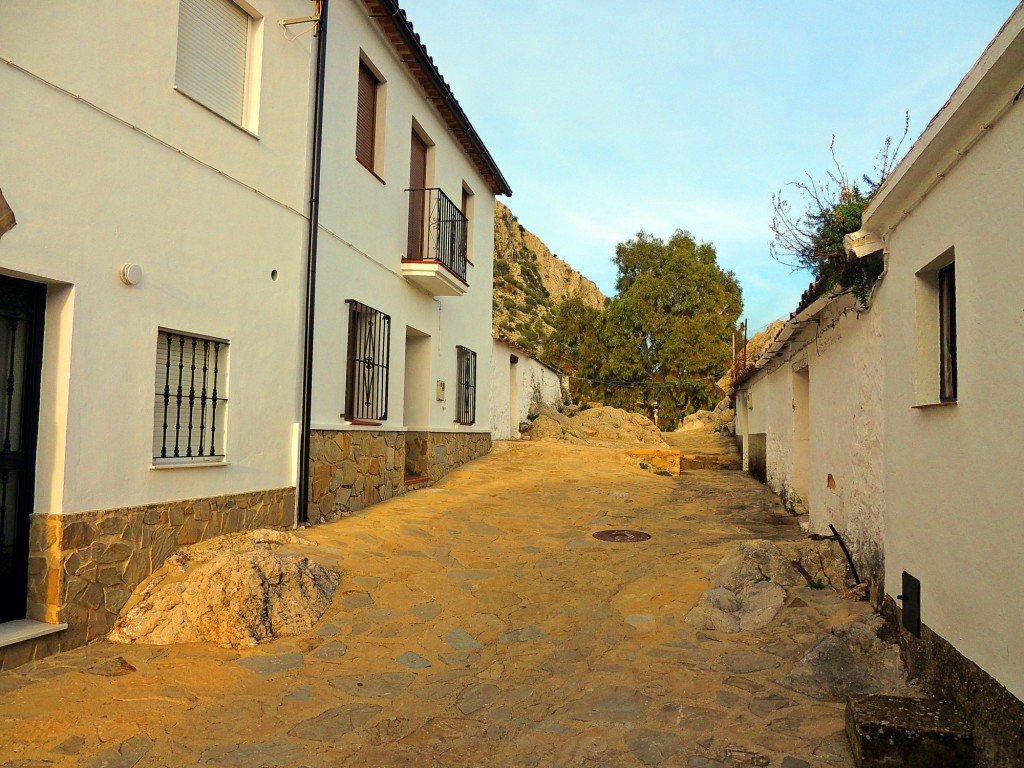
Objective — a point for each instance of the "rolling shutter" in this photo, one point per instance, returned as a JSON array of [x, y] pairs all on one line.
[[366, 116], [213, 37]]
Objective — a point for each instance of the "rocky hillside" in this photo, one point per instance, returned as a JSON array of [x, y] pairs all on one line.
[[529, 282]]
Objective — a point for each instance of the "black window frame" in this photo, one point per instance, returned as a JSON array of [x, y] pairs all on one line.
[[465, 396], [191, 385], [368, 361], [947, 334]]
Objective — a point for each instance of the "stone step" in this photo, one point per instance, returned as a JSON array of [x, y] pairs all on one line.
[[415, 482], [900, 732]]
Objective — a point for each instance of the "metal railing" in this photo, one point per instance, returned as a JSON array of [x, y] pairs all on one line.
[[437, 231], [188, 395], [369, 358], [465, 409]]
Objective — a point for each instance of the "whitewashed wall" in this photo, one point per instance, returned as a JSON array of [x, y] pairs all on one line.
[[953, 476], [91, 193], [515, 387], [364, 220], [840, 477]]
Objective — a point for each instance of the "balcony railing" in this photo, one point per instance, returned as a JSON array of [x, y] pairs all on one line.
[[437, 231]]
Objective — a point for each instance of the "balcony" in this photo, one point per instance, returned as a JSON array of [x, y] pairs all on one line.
[[435, 256]]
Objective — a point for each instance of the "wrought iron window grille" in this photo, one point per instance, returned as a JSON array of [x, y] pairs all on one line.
[[369, 354], [466, 394], [191, 401], [444, 228]]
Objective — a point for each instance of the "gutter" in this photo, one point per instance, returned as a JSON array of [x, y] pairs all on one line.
[[302, 479]]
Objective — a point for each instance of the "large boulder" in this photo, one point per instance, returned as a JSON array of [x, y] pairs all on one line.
[[600, 424], [755, 561], [850, 660], [752, 607], [235, 591]]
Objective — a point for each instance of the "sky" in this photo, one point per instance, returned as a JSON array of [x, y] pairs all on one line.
[[608, 118]]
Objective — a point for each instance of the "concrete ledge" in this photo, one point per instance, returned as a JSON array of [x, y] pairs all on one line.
[[12, 632], [891, 731]]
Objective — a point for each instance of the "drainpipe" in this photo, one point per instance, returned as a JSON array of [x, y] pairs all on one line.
[[302, 481]]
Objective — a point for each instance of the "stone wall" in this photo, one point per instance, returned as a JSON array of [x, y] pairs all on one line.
[[435, 454], [352, 469], [83, 567]]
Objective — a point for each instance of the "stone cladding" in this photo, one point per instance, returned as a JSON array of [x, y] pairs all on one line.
[[352, 469], [84, 566]]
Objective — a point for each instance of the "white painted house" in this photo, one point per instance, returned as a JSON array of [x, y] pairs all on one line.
[[404, 272], [518, 380], [153, 287], [898, 424]]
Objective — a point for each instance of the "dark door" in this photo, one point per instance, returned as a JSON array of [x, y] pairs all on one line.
[[21, 336], [417, 197]]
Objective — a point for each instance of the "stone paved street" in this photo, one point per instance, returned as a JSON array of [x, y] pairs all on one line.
[[478, 623]]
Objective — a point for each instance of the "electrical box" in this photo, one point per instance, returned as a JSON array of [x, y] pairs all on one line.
[[440, 391]]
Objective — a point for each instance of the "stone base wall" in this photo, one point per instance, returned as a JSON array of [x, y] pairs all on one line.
[[435, 454], [995, 715], [349, 470], [352, 469], [83, 567]]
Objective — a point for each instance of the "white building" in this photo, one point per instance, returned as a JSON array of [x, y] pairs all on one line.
[[899, 425], [404, 274], [518, 380], [152, 290]]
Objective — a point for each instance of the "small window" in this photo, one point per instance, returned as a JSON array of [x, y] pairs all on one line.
[[947, 333], [213, 56], [466, 395], [366, 117], [369, 353], [191, 398]]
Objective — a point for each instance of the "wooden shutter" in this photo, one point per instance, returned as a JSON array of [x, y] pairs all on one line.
[[417, 197], [213, 39], [366, 116]]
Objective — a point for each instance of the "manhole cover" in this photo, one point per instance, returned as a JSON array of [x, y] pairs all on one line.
[[622, 535]]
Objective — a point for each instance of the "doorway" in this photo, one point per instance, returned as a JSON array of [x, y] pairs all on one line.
[[22, 306]]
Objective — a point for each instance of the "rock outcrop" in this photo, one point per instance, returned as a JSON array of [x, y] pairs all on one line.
[[233, 591], [849, 660], [529, 282], [750, 583], [592, 425]]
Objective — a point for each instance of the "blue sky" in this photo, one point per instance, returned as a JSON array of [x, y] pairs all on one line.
[[611, 117]]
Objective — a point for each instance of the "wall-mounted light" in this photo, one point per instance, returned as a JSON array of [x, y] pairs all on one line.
[[131, 274]]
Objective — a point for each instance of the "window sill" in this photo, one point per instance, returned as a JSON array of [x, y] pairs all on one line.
[[188, 464], [364, 423], [921, 406], [372, 172], [212, 111]]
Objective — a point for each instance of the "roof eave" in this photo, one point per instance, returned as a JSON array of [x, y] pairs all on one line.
[[986, 93], [395, 25]]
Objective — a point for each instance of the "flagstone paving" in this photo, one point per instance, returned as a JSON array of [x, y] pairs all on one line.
[[478, 623]]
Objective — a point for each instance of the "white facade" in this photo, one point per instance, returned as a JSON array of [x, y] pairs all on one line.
[[364, 220], [953, 476], [163, 219], [134, 171], [517, 381], [814, 416], [942, 466]]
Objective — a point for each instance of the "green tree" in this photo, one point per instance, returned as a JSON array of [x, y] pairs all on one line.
[[660, 344]]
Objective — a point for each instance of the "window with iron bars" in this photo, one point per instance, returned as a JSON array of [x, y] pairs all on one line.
[[369, 353], [190, 406], [466, 395]]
